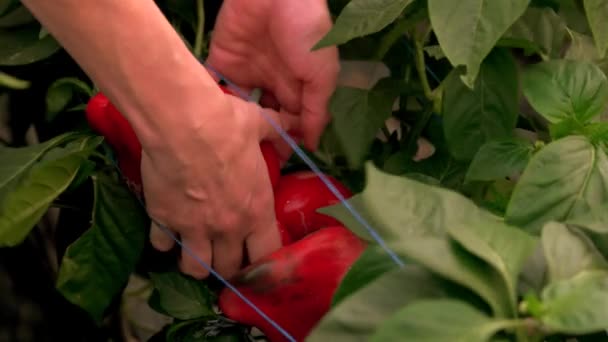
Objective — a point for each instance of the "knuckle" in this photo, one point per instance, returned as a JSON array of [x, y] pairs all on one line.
[[229, 222]]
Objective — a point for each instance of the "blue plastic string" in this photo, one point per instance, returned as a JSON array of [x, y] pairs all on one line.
[[316, 170], [209, 268], [227, 283], [426, 66]]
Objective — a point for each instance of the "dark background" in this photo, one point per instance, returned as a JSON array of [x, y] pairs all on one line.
[[30, 308]]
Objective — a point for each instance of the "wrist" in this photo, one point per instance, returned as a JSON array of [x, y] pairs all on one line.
[[169, 115]]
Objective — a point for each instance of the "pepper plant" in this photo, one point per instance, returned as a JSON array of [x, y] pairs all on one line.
[[502, 231]]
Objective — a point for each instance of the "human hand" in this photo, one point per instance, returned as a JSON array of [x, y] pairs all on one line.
[[210, 185], [203, 173], [266, 44]]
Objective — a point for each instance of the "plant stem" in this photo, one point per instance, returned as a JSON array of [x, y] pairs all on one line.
[[105, 158], [199, 40], [420, 68], [401, 27], [12, 82]]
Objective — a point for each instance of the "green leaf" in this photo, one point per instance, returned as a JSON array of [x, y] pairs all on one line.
[[467, 30], [488, 112], [597, 12], [13, 82], [500, 159], [581, 48], [568, 252], [184, 10], [595, 220], [449, 260], [543, 28], [356, 317], [201, 331], [434, 320], [19, 16], [183, 297], [358, 114], [562, 89], [434, 51], [28, 189], [597, 132], [21, 46], [441, 165], [373, 263], [578, 305], [60, 93], [566, 127], [574, 14], [8, 5], [399, 207], [565, 179], [505, 248], [360, 18], [97, 266], [533, 276], [412, 218], [17, 161]]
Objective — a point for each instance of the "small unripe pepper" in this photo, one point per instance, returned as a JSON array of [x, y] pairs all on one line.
[[295, 285]]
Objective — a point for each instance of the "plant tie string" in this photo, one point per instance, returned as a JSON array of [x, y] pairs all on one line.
[[311, 164], [314, 168]]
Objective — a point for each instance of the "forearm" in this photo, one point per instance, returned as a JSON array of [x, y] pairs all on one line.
[[133, 54]]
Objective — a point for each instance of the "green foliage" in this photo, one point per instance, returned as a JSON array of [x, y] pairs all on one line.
[[485, 113], [503, 226], [181, 296], [95, 267], [553, 220]]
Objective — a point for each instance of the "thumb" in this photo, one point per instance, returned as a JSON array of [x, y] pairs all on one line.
[[316, 95], [270, 123]]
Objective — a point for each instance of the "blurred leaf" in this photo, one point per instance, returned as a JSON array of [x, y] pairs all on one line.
[[467, 30], [503, 247], [544, 29], [578, 305], [21, 46], [488, 112], [434, 320], [183, 297], [361, 18], [28, 186], [8, 5], [95, 267], [565, 179], [373, 263], [12, 82], [568, 252], [358, 114], [357, 316], [61, 92], [499, 159], [597, 12], [566, 89]]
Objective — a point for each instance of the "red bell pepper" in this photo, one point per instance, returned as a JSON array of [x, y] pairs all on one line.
[[297, 198], [294, 286]]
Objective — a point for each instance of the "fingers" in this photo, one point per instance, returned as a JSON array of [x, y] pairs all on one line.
[[229, 255], [264, 240], [267, 121], [160, 239], [201, 247], [315, 102]]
